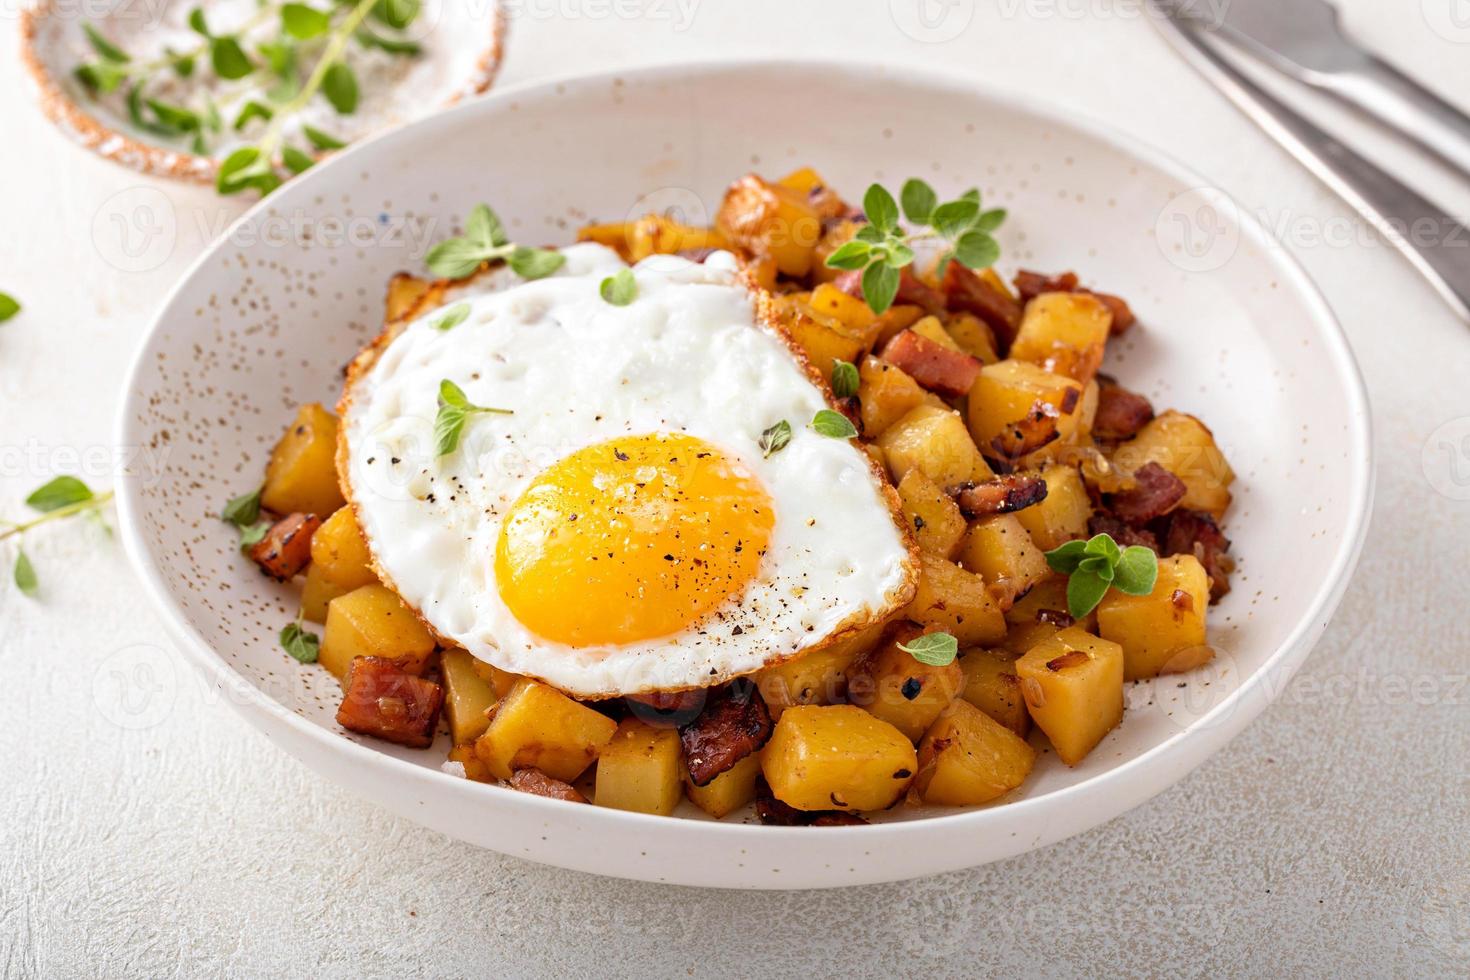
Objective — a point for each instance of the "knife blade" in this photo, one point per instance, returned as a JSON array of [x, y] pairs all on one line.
[[1392, 208]]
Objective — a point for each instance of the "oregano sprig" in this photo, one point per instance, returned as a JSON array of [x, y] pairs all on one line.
[[882, 249], [485, 240], [1097, 564], [934, 649], [455, 409], [57, 499]]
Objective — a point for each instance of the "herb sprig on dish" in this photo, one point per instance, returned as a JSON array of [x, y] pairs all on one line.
[[58, 499], [882, 249], [290, 51], [485, 240], [455, 409], [1098, 564], [934, 649], [9, 306]]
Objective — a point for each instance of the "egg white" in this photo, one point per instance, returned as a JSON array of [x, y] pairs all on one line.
[[688, 355]]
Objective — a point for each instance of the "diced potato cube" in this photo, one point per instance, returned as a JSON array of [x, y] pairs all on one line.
[[1067, 329], [1073, 686], [404, 294], [1063, 515], [972, 336], [1047, 600], [1162, 632], [933, 440], [1021, 637], [895, 320], [316, 593], [886, 394], [640, 769], [1005, 393], [931, 329], [658, 235], [500, 681], [730, 790], [1183, 445], [951, 599], [816, 677], [816, 336], [992, 685], [968, 758], [856, 317], [907, 693], [837, 757], [301, 475], [934, 516], [803, 180], [1000, 549], [536, 726], [473, 768], [340, 551], [773, 220], [466, 696], [373, 622]]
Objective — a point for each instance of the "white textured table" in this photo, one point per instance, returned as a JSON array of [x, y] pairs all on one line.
[[1330, 838]]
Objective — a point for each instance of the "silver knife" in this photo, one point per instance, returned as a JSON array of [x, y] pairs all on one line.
[[1302, 39], [1436, 244]]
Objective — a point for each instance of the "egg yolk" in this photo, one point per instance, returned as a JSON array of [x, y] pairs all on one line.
[[631, 539]]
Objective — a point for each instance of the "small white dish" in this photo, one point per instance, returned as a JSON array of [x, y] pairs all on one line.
[[462, 51], [265, 321]]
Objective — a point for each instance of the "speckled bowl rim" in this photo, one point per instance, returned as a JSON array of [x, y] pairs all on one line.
[[1050, 818], [87, 130]]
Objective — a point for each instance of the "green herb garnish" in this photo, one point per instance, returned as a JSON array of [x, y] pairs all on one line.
[[844, 379], [300, 644], [934, 649], [57, 499], [9, 306], [453, 317], [834, 425], [619, 289], [882, 249], [774, 439], [485, 240], [454, 410], [242, 510], [1096, 565]]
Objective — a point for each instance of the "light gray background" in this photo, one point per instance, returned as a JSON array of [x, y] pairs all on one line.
[[1329, 839]]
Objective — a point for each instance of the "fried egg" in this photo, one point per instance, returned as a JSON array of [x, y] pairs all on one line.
[[618, 527]]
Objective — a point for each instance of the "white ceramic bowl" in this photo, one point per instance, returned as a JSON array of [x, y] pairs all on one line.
[[1230, 329]]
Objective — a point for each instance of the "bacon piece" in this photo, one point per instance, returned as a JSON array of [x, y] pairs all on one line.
[[946, 372], [286, 548], [1032, 284], [1001, 495], [537, 783], [1193, 532], [773, 813], [668, 710], [1156, 492], [1026, 435], [384, 701], [968, 293], [1125, 534], [1120, 412], [912, 290], [735, 722]]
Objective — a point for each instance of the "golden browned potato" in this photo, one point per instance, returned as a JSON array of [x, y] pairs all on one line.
[[316, 593], [951, 599], [1073, 686], [933, 439], [992, 685], [1063, 515], [373, 622], [1006, 392], [301, 475], [907, 693], [837, 757], [466, 696], [820, 337], [816, 677], [972, 336], [771, 219], [1064, 332], [500, 681], [340, 552], [640, 769], [968, 758], [886, 394], [1000, 550], [730, 790], [1184, 446], [1162, 632], [935, 518], [854, 317], [537, 727]]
